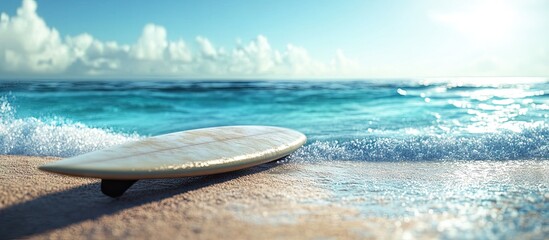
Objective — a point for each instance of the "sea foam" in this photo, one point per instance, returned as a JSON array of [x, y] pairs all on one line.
[[529, 143], [54, 136]]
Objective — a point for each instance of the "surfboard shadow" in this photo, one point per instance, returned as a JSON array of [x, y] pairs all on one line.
[[86, 202]]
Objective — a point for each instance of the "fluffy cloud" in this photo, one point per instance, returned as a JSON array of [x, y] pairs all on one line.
[[30, 47], [206, 47], [152, 43], [28, 44], [178, 51], [255, 58]]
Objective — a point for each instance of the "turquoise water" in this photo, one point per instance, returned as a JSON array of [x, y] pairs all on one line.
[[462, 158], [384, 120]]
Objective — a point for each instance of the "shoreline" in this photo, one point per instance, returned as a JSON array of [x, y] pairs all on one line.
[[274, 200], [47, 205]]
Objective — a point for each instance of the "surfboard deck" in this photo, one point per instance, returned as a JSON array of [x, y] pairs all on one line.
[[181, 154]]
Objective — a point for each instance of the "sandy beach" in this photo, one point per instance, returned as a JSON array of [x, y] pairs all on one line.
[[275, 201], [254, 203]]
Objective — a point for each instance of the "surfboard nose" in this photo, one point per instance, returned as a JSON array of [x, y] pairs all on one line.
[[53, 167], [61, 167]]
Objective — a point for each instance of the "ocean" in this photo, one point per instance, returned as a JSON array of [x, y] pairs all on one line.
[[391, 148], [384, 120]]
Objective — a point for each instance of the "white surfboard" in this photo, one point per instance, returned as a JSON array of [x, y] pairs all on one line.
[[181, 154]]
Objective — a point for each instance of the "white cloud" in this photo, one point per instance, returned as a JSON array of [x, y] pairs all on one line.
[[28, 44], [257, 57], [30, 47], [93, 57], [152, 43], [206, 47], [178, 51], [299, 61]]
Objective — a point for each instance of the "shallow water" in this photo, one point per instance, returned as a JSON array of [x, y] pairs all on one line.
[[453, 199]]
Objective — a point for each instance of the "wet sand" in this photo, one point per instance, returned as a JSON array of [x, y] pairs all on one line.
[[275, 201]]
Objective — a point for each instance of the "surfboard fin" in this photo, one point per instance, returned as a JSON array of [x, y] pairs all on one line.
[[115, 188]]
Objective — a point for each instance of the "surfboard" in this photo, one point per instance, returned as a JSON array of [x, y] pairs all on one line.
[[181, 154]]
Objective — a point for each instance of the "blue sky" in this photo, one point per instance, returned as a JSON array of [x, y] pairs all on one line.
[[275, 39]]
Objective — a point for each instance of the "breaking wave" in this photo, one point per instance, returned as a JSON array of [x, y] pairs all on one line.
[[52, 136], [531, 142]]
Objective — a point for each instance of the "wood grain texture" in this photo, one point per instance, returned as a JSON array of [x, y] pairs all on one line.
[[188, 153]]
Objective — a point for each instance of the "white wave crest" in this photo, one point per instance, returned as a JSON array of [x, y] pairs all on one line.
[[532, 142], [52, 137]]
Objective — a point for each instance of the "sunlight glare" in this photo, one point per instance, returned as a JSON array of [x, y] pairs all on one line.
[[487, 22]]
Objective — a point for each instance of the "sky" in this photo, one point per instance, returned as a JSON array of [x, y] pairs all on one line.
[[282, 39]]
